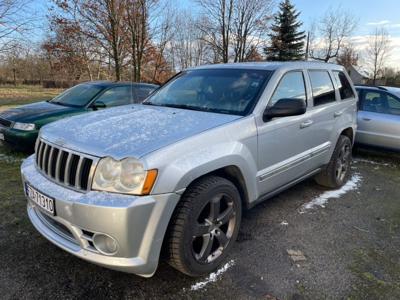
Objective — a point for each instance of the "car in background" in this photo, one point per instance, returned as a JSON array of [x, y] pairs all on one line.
[[19, 126], [379, 117]]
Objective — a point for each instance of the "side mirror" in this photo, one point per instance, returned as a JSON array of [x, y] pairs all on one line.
[[98, 105], [284, 108]]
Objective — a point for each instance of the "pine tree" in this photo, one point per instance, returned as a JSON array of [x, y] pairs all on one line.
[[287, 42]]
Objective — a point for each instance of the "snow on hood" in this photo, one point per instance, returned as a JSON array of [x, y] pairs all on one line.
[[131, 130]]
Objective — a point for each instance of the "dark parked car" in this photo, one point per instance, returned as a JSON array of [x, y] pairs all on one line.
[[19, 126], [379, 117]]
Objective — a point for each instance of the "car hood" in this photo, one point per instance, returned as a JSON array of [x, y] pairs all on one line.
[[36, 111], [130, 131]]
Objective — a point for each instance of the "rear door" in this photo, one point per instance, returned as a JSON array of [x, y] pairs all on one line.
[[324, 114], [379, 119]]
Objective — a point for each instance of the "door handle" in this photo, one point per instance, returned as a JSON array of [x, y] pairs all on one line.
[[338, 114], [366, 119], [306, 124]]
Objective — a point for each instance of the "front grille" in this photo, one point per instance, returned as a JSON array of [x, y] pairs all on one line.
[[66, 167], [5, 122]]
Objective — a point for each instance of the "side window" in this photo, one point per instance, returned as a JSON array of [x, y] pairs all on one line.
[[378, 102], [345, 90], [116, 96], [290, 86], [393, 102], [141, 93], [322, 87]]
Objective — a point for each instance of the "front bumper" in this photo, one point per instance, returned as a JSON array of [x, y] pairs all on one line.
[[19, 139], [138, 224]]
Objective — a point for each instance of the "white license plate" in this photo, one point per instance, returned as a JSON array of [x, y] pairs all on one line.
[[2, 136], [43, 201]]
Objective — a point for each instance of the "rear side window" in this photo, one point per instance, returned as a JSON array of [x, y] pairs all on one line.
[[322, 87], [291, 86], [345, 90]]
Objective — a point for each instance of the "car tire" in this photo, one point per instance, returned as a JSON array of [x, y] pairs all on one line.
[[337, 172], [204, 226]]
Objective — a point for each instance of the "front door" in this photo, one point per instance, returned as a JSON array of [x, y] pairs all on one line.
[[284, 143]]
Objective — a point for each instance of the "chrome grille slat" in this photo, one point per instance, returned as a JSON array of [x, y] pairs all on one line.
[[39, 154], [43, 156], [37, 145], [67, 168], [79, 173], [50, 161], [64, 166], [58, 165]]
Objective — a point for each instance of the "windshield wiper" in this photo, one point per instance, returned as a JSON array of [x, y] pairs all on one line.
[[185, 106], [190, 107], [149, 103]]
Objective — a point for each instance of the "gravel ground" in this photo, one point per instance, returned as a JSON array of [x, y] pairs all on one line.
[[347, 249]]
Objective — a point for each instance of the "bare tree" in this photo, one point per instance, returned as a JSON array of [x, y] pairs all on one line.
[[67, 39], [188, 47], [162, 33], [250, 22], [13, 22], [347, 57], [103, 22], [217, 28], [330, 34], [137, 19], [378, 51]]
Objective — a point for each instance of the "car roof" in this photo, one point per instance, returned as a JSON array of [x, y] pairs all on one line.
[[106, 83], [371, 87], [394, 90], [272, 66]]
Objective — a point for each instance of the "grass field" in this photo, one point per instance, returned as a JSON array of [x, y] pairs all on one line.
[[23, 94]]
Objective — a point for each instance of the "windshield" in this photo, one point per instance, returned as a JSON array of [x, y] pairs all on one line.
[[77, 96], [229, 91]]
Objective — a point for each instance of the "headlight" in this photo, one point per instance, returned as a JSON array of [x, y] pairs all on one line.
[[126, 176], [24, 126]]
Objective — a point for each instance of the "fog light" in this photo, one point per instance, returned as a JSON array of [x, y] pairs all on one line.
[[105, 244]]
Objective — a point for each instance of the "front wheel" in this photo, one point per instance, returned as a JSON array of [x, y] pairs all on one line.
[[204, 226], [337, 172]]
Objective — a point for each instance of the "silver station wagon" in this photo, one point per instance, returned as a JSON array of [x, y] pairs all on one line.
[[379, 117], [116, 187]]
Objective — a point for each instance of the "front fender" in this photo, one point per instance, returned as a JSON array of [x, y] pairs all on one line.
[[183, 170]]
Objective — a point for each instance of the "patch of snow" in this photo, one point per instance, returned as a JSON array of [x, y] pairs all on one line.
[[375, 163], [321, 200], [284, 223], [213, 277], [10, 158], [132, 130]]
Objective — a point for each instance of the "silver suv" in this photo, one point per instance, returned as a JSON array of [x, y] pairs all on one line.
[[116, 187]]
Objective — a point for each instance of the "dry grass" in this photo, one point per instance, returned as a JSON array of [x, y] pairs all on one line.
[[10, 95]]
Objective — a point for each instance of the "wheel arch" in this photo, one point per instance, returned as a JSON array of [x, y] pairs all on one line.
[[349, 132], [233, 174]]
